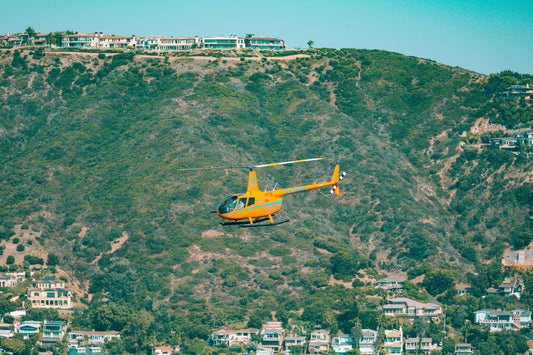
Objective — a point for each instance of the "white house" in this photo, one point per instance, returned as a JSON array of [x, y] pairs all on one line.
[[392, 283], [92, 337], [342, 343], [27, 328], [502, 320], [233, 337], [6, 330], [368, 341]]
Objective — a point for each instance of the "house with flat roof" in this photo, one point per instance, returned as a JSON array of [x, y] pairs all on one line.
[[53, 332], [80, 40], [27, 328], [233, 337], [367, 344], [292, 341], [342, 343], [223, 42], [518, 91], [392, 283], [93, 350], [520, 138], [503, 320], [6, 330], [11, 279], [264, 43], [463, 349]]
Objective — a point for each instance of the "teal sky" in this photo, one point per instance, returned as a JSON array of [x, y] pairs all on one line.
[[484, 36]]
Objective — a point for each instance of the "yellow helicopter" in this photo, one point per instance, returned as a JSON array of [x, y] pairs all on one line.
[[252, 208]]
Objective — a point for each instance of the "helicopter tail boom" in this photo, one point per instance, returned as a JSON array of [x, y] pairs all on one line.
[[291, 190], [335, 181]]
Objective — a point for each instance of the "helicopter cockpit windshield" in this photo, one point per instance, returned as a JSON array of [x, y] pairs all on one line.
[[228, 204]]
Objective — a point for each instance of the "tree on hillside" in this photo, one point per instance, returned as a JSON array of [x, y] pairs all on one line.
[[310, 44], [357, 333], [30, 32], [15, 345]]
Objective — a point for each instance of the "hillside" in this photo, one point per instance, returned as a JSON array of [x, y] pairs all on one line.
[[91, 147]]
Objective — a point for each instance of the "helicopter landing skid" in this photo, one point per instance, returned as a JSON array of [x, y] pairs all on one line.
[[248, 225], [257, 223]]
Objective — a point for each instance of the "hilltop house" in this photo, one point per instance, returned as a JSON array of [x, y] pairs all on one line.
[[518, 91], [393, 343], [80, 40], [503, 320], [223, 42], [520, 138], [49, 293], [392, 283], [91, 337], [264, 43], [319, 341], [233, 337], [272, 336], [409, 308], [99, 40]]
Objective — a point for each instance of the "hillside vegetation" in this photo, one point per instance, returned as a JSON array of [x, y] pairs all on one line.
[[91, 146]]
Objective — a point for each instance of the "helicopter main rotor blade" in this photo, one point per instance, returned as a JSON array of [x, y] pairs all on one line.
[[216, 168], [250, 166], [285, 162]]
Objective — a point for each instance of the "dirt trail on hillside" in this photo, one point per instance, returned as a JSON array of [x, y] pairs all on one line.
[[257, 57]]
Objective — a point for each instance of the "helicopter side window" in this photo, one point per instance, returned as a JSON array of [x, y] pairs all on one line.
[[251, 201], [241, 203], [228, 204]]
